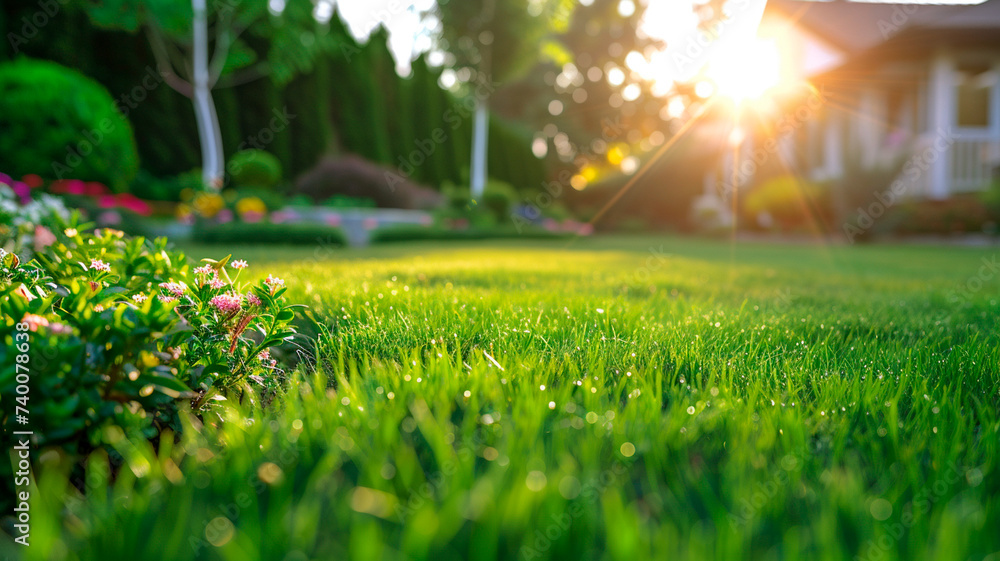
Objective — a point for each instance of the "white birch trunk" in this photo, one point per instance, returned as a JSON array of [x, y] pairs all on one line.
[[480, 149], [209, 132]]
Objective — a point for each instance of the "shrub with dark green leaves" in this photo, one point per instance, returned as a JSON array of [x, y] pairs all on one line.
[[108, 331], [59, 124], [790, 202], [254, 168], [410, 233], [270, 233], [498, 198]]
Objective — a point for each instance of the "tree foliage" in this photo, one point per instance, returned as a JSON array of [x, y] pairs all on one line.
[[248, 40]]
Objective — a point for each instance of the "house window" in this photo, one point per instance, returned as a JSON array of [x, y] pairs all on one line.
[[974, 84]]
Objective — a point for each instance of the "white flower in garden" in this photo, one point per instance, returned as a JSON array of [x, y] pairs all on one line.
[[98, 265]]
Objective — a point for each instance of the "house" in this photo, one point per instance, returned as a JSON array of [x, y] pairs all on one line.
[[913, 86]]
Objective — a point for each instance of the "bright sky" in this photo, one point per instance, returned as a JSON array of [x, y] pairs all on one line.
[[671, 20]]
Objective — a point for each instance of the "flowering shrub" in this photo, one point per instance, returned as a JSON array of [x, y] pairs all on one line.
[[122, 332], [232, 328], [28, 224]]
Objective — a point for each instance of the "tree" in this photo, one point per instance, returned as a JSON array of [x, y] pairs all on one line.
[[494, 41], [200, 47]]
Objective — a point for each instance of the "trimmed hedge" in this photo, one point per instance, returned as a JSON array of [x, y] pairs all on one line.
[[243, 233], [254, 168], [407, 233], [59, 124]]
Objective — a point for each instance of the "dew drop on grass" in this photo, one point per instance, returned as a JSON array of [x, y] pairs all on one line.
[[690, 410], [881, 509], [467, 394], [535, 481]]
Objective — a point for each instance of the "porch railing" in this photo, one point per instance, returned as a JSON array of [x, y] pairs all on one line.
[[973, 159]]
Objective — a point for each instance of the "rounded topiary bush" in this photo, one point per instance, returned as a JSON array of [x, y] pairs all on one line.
[[59, 124], [498, 198], [254, 168]]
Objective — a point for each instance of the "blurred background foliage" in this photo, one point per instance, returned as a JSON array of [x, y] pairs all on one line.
[[350, 101]]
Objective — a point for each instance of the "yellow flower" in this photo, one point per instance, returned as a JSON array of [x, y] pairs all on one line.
[[208, 204], [251, 204]]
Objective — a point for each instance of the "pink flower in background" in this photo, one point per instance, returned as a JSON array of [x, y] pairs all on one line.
[[34, 321], [98, 265], [33, 181], [22, 190], [252, 298], [6, 179], [426, 220], [94, 189], [570, 225], [252, 216], [60, 329], [204, 270], [224, 216], [106, 201], [332, 220], [175, 288], [110, 217], [217, 283], [586, 230], [550, 224], [239, 264], [226, 303], [282, 216], [76, 187], [135, 204], [43, 238], [370, 223]]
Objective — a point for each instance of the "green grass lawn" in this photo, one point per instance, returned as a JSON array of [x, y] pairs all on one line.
[[613, 398]]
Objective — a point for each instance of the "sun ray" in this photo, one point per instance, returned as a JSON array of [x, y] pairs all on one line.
[[656, 156]]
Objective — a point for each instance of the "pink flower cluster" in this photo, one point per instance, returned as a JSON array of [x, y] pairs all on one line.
[[173, 288], [266, 360], [227, 303]]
